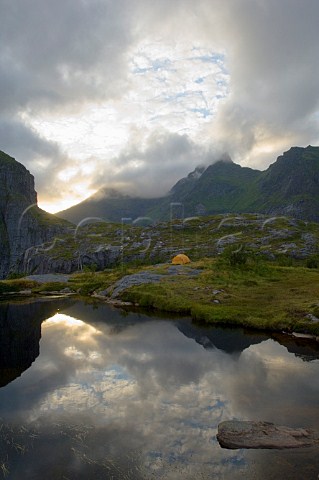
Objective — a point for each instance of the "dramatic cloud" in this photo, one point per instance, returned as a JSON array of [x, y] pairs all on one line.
[[273, 67], [87, 86], [59, 53], [153, 170]]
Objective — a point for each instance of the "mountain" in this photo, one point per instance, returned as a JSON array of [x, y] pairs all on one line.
[[215, 189], [220, 188], [110, 205], [290, 186], [22, 223]]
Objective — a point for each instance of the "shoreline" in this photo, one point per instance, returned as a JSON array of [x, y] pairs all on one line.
[[14, 297], [258, 295]]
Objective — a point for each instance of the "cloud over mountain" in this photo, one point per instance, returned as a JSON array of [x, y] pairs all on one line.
[[138, 90]]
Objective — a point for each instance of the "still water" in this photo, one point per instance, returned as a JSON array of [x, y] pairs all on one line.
[[89, 392]]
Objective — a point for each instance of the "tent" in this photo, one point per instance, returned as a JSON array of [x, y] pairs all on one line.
[[180, 259]]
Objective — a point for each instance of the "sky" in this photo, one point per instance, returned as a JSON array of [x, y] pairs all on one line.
[[133, 94]]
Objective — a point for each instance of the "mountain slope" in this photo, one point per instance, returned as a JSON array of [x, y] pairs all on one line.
[[218, 188], [290, 186], [112, 207]]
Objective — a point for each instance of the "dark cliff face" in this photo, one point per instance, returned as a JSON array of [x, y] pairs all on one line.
[[22, 223]]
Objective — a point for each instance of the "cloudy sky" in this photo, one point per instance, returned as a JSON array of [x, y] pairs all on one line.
[[134, 94]]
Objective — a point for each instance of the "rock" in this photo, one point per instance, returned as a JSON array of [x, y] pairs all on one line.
[[22, 223], [235, 434], [40, 262], [130, 281], [181, 270], [144, 277], [66, 290], [45, 278], [312, 318], [302, 335]]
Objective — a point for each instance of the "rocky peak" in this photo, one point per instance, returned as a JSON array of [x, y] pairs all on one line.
[[296, 172], [22, 223], [197, 173], [15, 180]]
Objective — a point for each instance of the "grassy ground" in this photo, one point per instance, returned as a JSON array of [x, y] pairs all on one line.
[[262, 296]]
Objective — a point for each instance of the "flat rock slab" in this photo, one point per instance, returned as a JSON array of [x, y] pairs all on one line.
[[235, 434], [145, 277], [49, 277]]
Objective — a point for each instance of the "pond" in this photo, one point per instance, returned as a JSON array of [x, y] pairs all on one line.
[[91, 392]]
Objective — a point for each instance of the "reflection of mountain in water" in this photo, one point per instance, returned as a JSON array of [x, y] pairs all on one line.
[[236, 340], [230, 340], [20, 333], [115, 318], [303, 347]]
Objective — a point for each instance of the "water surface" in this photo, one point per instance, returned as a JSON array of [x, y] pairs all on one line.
[[113, 395]]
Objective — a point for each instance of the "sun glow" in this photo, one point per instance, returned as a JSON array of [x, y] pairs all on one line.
[[80, 193]]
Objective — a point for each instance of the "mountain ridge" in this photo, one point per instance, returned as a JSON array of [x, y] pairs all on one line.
[[289, 186]]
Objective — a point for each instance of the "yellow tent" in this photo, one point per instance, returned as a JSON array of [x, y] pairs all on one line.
[[180, 259]]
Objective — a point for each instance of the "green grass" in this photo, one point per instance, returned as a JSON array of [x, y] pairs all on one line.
[[7, 286], [49, 287], [267, 297]]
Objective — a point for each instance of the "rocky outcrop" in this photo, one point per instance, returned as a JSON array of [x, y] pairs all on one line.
[[234, 434], [37, 260], [22, 223], [105, 245]]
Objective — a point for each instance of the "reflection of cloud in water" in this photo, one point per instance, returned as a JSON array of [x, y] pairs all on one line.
[[83, 332], [274, 385], [152, 389], [66, 320], [148, 380]]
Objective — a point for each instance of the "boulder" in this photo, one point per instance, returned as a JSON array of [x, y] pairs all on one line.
[[235, 434]]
